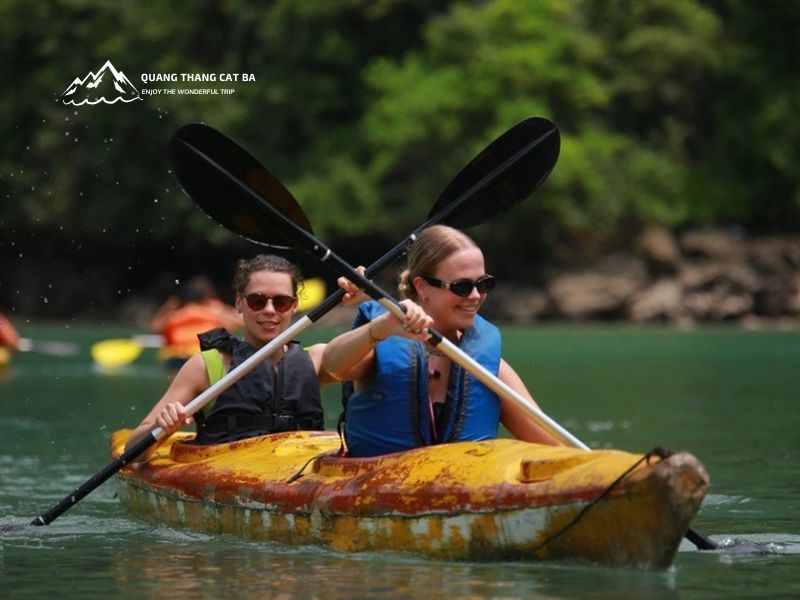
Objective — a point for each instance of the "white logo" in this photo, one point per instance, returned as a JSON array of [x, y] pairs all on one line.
[[108, 85]]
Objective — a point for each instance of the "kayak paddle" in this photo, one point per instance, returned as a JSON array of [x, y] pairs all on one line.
[[312, 293], [534, 143], [207, 176], [118, 352], [219, 182], [47, 347]]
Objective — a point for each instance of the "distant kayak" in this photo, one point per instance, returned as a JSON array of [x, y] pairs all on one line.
[[493, 500]]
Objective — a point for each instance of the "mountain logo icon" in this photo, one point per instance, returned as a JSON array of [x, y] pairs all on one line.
[[107, 85]]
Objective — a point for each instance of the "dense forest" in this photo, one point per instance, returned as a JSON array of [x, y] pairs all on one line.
[[674, 114]]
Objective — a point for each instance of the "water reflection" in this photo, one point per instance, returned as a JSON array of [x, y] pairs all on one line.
[[101, 554], [173, 565]]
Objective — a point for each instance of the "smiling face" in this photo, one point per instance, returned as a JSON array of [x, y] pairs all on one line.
[[449, 311], [262, 326]]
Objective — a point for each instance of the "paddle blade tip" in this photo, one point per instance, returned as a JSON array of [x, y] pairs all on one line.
[[501, 176], [232, 187]]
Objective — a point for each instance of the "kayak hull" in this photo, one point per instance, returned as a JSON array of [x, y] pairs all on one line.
[[493, 500]]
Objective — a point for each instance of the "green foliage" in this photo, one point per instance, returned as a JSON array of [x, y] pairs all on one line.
[[674, 112], [620, 79]]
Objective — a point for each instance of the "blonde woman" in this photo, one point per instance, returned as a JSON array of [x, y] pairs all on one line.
[[404, 392]]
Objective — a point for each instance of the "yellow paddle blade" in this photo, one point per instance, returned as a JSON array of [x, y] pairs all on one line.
[[115, 353], [311, 294]]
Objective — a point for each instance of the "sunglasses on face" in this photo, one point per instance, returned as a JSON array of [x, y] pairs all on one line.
[[463, 287], [281, 303]]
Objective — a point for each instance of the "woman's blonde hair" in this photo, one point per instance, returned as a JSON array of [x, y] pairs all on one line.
[[432, 246]]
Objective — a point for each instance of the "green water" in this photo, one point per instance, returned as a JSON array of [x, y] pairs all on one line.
[[726, 395]]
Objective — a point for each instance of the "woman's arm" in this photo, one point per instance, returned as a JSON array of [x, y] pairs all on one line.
[[315, 353], [169, 413], [350, 356], [514, 418]]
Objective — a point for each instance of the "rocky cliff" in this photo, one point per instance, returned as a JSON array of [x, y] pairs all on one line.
[[696, 276]]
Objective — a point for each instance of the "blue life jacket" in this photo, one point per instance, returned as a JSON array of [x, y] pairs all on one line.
[[266, 400], [394, 413]]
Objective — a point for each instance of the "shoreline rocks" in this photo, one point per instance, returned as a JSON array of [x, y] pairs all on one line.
[[700, 276]]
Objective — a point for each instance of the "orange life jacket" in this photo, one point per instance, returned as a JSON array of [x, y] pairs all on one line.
[[8, 335], [182, 327]]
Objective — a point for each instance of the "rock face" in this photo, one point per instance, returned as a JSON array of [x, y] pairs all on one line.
[[601, 291], [699, 276]]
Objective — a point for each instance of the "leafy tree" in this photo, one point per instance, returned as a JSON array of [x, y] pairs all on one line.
[[619, 78], [676, 112]]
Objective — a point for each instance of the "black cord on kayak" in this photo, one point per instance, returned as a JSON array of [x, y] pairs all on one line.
[[658, 451], [340, 430], [301, 472]]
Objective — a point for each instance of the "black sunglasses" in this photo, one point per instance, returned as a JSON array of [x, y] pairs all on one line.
[[463, 287], [281, 302]]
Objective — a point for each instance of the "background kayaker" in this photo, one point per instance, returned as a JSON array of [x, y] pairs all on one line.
[[444, 285], [9, 340], [280, 394], [195, 309], [9, 337]]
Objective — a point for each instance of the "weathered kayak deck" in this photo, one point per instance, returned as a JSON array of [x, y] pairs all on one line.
[[495, 500]]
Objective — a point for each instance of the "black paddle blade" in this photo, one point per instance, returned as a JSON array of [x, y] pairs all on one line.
[[501, 176], [225, 180]]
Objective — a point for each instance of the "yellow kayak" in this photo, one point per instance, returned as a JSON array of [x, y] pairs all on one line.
[[493, 500]]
